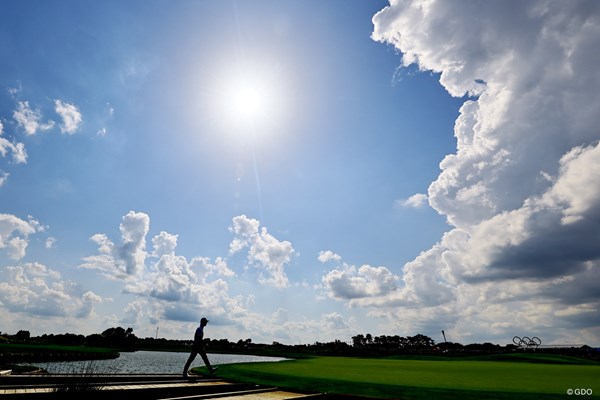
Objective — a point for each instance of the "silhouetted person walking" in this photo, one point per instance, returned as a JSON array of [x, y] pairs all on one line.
[[198, 348]]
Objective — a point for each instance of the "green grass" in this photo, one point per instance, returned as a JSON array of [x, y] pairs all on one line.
[[422, 378], [530, 357]]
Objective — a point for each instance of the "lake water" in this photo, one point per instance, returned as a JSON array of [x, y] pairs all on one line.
[[146, 362]]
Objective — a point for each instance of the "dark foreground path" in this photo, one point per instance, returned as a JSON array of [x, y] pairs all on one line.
[[153, 387]]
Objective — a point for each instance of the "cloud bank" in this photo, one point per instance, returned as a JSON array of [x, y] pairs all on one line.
[[34, 289], [521, 191], [171, 287]]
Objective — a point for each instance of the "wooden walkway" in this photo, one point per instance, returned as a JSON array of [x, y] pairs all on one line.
[[153, 387]]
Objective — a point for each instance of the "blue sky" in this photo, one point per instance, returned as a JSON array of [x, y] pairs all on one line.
[[298, 171]]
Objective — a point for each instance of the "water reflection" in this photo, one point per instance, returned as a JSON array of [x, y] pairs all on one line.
[[147, 362]]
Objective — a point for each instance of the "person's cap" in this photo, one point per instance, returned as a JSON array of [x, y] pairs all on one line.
[[203, 320]]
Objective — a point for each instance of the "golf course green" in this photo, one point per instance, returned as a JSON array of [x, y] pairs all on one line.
[[537, 377]]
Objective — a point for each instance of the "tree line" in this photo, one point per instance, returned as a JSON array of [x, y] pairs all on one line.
[[124, 339], [114, 338], [363, 345]]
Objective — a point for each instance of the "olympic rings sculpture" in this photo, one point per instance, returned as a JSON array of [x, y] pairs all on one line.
[[527, 342]]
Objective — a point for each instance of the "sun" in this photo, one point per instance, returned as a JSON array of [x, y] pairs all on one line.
[[249, 102]]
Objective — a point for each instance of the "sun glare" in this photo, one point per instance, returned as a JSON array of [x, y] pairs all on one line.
[[248, 102]]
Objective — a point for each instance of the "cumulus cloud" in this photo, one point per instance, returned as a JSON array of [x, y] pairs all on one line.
[[91, 297], [335, 321], [169, 286], [70, 115], [521, 190], [135, 312], [265, 252], [175, 291], [349, 282], [415, 201], [125, 259], [328, 256], [33, 288], [30, 119], [14, 234]]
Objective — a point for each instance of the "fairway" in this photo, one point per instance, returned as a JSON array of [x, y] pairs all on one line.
[[422, 378]]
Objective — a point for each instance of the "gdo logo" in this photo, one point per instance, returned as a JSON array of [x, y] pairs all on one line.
[[580, 392]]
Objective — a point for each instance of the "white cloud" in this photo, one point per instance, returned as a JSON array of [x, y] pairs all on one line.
[[50, 242], [91, 297], [29, 119], [125, 259], [168, 285], [164, 244], [521, 190], [3, 177], [576, 188], [417, 200], [327, 256], [265, 252], [135, 312], [173, 292], [70, 115], [17, 150], [14, 234], [204, 267], [14, 91], [335, 321], [35, 289], [349, 282]]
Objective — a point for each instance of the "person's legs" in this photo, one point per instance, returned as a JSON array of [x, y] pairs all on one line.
[[189, 362], [205, 358]]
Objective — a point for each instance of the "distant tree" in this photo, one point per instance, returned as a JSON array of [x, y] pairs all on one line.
[[420, 341], [483, 348], [95, 340], [120, 338], [358, 340], [22, 335], [69, 339], [386, 344], [450, 346]]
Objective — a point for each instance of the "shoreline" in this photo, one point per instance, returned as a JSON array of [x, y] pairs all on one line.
[[11, 355]]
